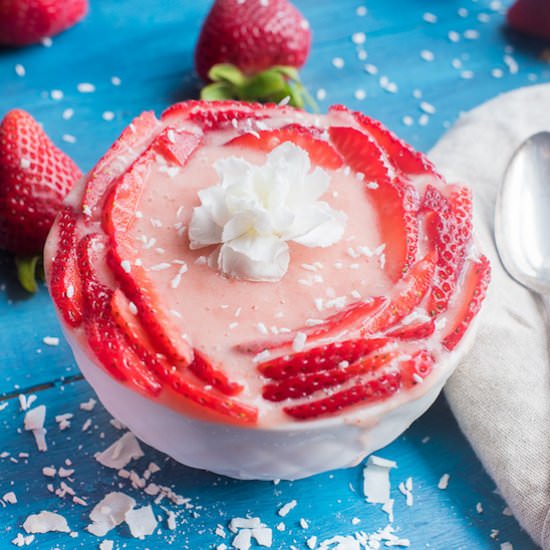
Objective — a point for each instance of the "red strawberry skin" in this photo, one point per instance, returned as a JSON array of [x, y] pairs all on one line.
[[252, 35], [35, 177], [531, 17], [25, 22]]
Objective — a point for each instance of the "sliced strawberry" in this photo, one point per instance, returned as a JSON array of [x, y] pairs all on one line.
[[65, 284], [305, 384], [473, 289], [212, 115], [137, 285], [118, 217], [371, 391], [320, 151], [131, 143], [451, 232], [414, 331], [352, 315], [320, 358], [174, 377], [176, 145], [401, 156], [411, 290], [203, 368], [395, 201], [105, 339], [418, 367]]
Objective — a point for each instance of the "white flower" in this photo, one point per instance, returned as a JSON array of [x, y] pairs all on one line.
[[255, 209]]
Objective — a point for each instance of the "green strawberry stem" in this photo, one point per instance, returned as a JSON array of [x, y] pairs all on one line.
[[270, 86], [27, 267]]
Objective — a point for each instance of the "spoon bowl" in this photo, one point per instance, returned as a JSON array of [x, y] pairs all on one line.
[[522, 217]]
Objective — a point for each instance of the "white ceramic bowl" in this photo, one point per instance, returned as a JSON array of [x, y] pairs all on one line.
[[292, 451]]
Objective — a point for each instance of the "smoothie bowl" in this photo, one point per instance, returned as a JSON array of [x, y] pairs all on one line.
[[262, 292]]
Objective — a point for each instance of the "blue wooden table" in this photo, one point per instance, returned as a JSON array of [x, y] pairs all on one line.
[[137, 54]]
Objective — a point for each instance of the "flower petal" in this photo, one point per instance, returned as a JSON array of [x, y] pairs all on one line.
[[254, 258]]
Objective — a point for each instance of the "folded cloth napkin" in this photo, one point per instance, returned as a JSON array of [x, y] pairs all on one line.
[[500, 394]]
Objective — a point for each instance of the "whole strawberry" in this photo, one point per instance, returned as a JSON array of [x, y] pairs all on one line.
[[251, 50], [25, 22], [35, 177], [531, 17]]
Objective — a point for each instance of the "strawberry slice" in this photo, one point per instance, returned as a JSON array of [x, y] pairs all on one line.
[[203, 368], [417, 367], [320, 151], [395, 201], [376, 389], [213, 115], [411, 290], [174, 377], [126, 149], [344, 320], [65, 284], [474, 287], [399, 155], [118, 218], [414, 331], [105, 339], [305, 384], [451, 232], [320, 358]]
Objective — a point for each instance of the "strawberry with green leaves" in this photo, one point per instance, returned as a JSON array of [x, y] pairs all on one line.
[[35, 177], [252, 51]]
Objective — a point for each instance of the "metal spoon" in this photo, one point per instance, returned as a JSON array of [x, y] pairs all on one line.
[[522, 217]]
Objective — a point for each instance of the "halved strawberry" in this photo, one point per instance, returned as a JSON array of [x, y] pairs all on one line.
[[320, 358], [352, 315], [131, 143], [451, 233], [203, 368], [414, 331], [305, 384], [417, 367], [65, 284], [105, 339], [395, 201], [320, 151], [175, 377], [474, 287], [411, 289], [212, 115], [371, 391]]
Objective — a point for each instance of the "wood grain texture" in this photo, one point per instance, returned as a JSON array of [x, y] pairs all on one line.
[[149, 45]]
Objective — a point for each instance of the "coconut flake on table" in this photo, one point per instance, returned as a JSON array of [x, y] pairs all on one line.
[[242, 540], [376, 482], [106, 545], [141, 521], [443, 482], [46, 522], [109, 512], [10, 498], [406, 490], [244, 523], [88, 405], [121, 452], [34, 422], [286, 508]]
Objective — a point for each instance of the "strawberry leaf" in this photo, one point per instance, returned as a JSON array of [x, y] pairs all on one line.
[[270, 86], [225, 72], [217, 90], [26, 272]]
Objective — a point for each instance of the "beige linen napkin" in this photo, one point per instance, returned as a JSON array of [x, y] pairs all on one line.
[[500, 394]]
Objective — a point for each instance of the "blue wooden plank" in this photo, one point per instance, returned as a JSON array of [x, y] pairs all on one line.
[[149, 47]]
